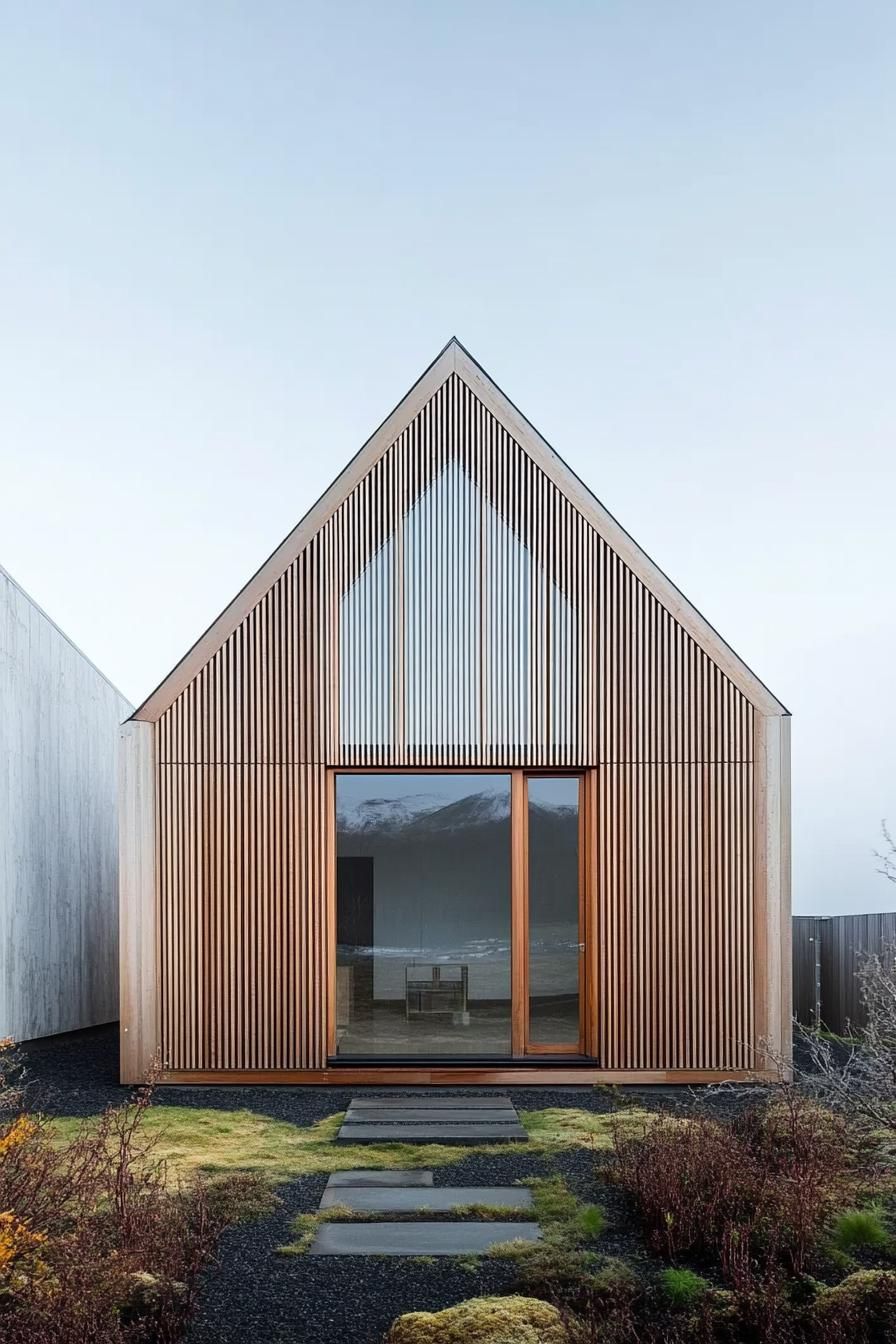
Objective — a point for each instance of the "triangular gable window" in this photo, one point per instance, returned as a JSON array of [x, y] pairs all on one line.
[[441, 632]]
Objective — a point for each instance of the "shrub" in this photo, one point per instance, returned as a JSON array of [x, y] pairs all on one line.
[[758, 1188], [682, 1287], [12, 1075], [94, 1245], [239, 1197], [483, 1320], [556, 1274], [605, 1305], [860, 1227], [861, 1309]]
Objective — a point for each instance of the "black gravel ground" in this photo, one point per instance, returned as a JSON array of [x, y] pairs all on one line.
[[254, 1294]]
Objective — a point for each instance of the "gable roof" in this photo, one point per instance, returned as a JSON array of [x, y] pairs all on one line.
[[454, 358]]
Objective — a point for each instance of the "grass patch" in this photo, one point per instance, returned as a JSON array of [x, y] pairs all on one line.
[[511, 1250], [556, 1207], [213, 1142], [482, 1213], [561, 1127], [566, 1223], [861, 1227], [563, 1218], [591, 1221], [682, 1287], [304, 1226]]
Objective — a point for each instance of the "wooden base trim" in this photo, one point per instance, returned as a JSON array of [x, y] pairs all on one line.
[[451, 1077]]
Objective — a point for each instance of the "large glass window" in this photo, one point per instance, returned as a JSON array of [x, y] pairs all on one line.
[[423, 923]]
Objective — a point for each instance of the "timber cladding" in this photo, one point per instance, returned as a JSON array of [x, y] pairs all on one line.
[[458, 600]]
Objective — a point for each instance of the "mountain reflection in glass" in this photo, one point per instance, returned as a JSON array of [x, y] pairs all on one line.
[[554, 956], [423, 915]]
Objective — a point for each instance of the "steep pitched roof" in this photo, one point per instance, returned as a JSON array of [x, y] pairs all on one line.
[[455, 359]]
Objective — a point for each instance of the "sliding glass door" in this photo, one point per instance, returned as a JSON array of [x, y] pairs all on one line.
[[458, 911]]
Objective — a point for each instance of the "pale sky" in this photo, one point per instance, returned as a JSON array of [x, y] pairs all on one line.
[[232, 235]]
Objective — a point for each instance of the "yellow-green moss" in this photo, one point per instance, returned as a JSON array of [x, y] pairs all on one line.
[[213, 1142], [862, 1292], [560, 1127], [483, 1320]]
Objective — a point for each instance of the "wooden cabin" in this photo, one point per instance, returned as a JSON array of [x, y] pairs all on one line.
[[459, 788], [59, 728]]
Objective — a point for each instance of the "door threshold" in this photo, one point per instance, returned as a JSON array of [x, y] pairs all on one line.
[[414, 1062]]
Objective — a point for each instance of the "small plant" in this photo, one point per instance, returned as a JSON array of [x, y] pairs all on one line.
[[860, 1227], [591, 1221], [240, 1197], [304, 1226], [682, 1287], [564, 1220], [555, 1273]]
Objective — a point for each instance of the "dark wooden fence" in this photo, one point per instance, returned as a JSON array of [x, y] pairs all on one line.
[[827, 952]]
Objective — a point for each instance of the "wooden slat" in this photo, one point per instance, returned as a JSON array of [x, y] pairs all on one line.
[[458, 608]]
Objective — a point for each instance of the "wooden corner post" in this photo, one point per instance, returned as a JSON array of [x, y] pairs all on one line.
[[137, 899], [773, 977]]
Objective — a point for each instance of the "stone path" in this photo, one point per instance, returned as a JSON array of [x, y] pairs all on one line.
[[438, 1198], [417, 1238], [405, 1192], [413, 1119]]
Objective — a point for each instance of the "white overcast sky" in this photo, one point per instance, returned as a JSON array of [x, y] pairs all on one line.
[[232, 234]]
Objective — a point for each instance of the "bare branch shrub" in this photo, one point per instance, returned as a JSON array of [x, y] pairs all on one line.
[[887, 857], [96, 1243], [858, 1076]]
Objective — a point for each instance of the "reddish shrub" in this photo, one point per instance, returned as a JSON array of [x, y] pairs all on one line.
[[94, 1244], [754, 1190]]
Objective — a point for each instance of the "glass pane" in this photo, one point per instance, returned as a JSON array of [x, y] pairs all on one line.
[[554, 911], [422, 914]]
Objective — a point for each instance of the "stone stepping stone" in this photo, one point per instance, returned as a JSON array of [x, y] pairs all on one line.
[[416, 1119], [423, 1103], [388, 1132], [383, 1179], [443, 1116], [443, 1199], [417, 1238]]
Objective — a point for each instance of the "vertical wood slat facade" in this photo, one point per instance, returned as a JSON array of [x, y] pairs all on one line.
[[457, 608]]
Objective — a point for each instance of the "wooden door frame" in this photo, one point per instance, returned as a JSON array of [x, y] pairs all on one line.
[[521, 1050], [564, 1048]]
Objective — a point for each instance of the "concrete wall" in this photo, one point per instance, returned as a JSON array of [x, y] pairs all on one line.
[[59, 720]]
